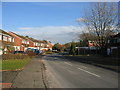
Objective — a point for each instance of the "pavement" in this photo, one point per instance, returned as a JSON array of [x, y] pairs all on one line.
[[32, 76], [66, 73], [8, 78]]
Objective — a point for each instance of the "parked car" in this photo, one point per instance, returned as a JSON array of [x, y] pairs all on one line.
[[34, 50], [54, 51], [22, 52]]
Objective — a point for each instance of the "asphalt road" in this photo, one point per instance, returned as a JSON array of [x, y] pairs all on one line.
[[63, 73]]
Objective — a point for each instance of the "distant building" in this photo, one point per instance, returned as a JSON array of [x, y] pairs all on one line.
[[45, 45], [50, 45], [114, 45], [114, 41]]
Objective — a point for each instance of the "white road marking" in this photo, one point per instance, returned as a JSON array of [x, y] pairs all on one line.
[[83, 66], [68, 63], [55, 58], [89, 72]]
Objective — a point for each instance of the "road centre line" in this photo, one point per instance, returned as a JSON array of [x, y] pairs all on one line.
[[78, 65], [83, 66], [83, 69], [68, 63], [89, 72]]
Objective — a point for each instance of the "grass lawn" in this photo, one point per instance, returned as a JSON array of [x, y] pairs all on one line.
[[14, 64]]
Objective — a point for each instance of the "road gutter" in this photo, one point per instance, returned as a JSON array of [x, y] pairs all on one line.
[[44, 78]]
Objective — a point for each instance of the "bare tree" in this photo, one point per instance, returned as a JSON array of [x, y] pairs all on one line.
[[87, 37], [101, 20]]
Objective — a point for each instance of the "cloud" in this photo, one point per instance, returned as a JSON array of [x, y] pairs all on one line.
[[61, 34], [80, 20], [24, 28]]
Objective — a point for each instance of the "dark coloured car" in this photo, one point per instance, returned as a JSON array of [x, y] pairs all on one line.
[[16, 52], [34, 50]]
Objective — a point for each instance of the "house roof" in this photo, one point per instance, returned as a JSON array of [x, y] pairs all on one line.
[[29, 38], [32, 39], [35, 40], [4, 32], [22, 37], [118, 35]]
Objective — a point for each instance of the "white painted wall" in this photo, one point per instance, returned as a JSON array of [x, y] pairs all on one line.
[[0, 36], [32, 47], [1, 52], [43, 48]]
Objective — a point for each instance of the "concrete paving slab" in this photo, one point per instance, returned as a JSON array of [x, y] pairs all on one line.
[[31, 76]]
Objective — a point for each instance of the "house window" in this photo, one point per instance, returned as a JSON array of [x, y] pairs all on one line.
[[27, 42], [34, 44], [115, 41], [118, 40], [4, 38], [23, 41], [10, 39], [41, 44], [47, 45], [0, 36], [108, 41], [37, 44]]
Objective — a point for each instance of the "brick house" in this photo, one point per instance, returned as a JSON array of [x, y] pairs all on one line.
[[50, 46], [7, 42], [113, 43], [36, 44], [33, 43], [40, 45], [20, 42], [93, 44], [45, 45]]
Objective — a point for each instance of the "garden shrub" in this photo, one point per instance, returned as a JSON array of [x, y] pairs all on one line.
[[31, 53], [14, 56]]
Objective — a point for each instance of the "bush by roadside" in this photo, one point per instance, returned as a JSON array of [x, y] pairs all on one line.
[[48, 52], [14, 56], [31, 53]]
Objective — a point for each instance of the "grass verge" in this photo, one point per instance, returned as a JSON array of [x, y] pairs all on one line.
[[14, 64]]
